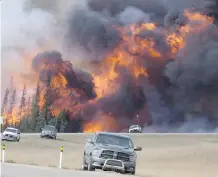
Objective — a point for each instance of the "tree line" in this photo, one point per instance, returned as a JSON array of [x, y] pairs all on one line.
[[27, 115]]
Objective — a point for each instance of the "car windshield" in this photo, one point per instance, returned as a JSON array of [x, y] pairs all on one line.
[[115, 140], [11, 130], [48, 127], [134, 126]]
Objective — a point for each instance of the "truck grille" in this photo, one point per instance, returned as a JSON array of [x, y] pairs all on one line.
[[123, 156], [114, 163], [107, 154]]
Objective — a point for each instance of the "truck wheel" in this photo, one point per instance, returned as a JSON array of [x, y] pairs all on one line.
[[132, 173], [90, 166], [84, 167]]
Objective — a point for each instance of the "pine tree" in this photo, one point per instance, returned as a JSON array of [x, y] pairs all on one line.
[[62, 121], [48, 92], [12, 104], [35, 108], [45, 114], [22, 111], [5, 102], [4, 107]]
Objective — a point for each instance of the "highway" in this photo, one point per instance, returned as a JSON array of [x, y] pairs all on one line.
[[16, 170]]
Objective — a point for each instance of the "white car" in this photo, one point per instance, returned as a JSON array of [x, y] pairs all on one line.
[[11, 134], [135, 129]]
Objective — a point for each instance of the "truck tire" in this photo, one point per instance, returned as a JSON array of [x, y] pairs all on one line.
[[132, 173], [84, 166]]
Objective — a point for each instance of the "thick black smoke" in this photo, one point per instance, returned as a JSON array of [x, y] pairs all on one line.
[[93, 27], [49, 64], [177, 90], [213, 9]]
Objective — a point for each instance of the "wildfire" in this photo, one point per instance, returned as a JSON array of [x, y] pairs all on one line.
[[103, 123], [130, 54], [196, 16], [177, 39]]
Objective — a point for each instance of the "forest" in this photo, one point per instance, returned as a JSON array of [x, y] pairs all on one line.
[[24, 111]]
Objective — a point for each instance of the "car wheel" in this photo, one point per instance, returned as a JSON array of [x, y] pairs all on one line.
[[18, 139], [55, 137], [90, 165]]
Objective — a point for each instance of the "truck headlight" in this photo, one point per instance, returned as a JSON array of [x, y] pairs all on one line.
[[96, 153], [132, 157]]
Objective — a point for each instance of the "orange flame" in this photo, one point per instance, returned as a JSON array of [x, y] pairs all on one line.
[[103, 123]]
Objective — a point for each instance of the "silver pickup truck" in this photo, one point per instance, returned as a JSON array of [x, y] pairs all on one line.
[[110, 151]]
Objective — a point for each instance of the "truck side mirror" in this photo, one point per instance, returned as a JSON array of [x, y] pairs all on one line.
[[138, 149], [90, 141]]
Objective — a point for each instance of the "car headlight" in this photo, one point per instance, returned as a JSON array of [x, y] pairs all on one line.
[[96, 153], [132, 157]]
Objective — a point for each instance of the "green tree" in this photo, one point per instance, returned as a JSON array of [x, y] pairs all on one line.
[[22, 107], [62, 122], [45, 114], [35, 108], [48, 102]]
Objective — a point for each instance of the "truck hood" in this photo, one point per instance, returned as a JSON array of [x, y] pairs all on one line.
[[115, 148]]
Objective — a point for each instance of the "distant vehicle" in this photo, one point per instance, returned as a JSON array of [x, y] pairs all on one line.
[[135, 129], [49, 131], [11, 134], [110, 151]]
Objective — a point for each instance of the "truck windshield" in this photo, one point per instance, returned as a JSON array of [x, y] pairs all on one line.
[[11, 130], [49, 128], [115, 140]]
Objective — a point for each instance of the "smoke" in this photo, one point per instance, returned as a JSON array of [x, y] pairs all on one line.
[[177, 87], [133, 68], [24, 33]]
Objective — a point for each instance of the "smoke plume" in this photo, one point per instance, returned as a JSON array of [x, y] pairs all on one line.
[[181, 83], [153, 58]]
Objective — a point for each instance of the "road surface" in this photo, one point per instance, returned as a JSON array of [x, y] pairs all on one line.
[[16, 170]]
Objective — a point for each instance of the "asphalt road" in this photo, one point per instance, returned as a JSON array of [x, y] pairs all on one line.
[[16, 170]]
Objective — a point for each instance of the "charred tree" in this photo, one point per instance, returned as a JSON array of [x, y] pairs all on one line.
[[5, 102]]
